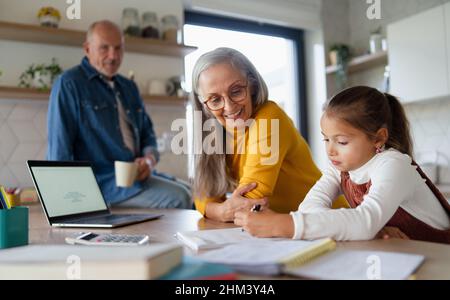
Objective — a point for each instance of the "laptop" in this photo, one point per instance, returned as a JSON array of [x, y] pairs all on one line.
[[70, 196]]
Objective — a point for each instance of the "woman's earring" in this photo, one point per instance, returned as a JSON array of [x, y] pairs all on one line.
[[380, 149]]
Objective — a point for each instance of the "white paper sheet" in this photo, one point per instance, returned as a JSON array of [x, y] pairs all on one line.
[[209, 239], [360, 265]]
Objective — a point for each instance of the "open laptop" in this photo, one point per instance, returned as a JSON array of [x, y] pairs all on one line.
[[71, 197]]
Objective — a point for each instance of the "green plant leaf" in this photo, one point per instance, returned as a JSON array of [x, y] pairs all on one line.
[[53, 69]]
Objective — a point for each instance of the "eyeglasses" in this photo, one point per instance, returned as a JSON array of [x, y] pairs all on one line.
[[236, 94]]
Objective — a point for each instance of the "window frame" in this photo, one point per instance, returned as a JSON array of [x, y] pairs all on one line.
[[296, 35]]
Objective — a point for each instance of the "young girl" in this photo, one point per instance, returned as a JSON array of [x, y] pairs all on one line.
[[369, 146]]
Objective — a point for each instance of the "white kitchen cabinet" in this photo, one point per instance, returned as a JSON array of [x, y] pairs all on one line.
[[418, 56], [447, 38]]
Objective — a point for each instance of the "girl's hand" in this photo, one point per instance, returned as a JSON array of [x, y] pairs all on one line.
[[238, 202], [391, 233], [265, 223]]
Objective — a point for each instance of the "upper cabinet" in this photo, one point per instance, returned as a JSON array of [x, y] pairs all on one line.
[[447, 39], [419, 55]]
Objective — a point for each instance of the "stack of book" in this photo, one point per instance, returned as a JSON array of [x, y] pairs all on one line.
[[59, 262]]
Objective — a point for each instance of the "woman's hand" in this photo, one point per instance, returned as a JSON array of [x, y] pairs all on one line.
[[265, 223], [238, 202], [391, 233]]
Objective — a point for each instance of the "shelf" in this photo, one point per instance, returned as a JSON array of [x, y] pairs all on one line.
[[74, 38], [34, 94], [362, 63], [7, 92], [165, 100]]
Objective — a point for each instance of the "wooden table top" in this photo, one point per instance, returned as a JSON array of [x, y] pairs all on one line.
[[437, 256]]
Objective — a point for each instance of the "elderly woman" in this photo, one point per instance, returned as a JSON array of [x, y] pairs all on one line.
[[269, 163]]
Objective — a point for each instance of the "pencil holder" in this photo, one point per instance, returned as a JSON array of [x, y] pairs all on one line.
[[13, 227]]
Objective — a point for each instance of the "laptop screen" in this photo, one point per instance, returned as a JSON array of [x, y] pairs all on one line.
[[68, 190]]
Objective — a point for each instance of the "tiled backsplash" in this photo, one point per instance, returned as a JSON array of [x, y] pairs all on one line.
[[23, 134], [430, 126]]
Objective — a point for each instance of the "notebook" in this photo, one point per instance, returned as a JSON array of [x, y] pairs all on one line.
[[314, 260], [264, 257], [215, 238], [57, 262]]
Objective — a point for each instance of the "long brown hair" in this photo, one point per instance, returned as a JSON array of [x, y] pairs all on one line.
[[213, 177], [369, 110]]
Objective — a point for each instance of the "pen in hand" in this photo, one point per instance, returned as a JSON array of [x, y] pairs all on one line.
[[255, 208]]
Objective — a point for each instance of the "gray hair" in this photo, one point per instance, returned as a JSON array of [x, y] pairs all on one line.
[[213, 178], [93, 26], [238, 61]]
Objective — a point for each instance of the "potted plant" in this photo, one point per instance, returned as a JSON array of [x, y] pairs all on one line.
[[340, 55], [40, 76], [49, 17]]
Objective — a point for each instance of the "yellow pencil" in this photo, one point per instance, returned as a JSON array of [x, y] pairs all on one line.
[[8, 203]]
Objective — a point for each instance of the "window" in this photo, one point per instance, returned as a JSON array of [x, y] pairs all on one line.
[[276, 52]]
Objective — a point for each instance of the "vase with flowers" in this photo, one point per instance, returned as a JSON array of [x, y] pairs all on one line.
[[49, 17], [40, 76]]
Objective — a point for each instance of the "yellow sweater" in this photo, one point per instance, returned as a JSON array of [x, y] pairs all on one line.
[[284, 174]]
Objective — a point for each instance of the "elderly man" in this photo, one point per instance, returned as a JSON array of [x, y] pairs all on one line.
[[97, 115]]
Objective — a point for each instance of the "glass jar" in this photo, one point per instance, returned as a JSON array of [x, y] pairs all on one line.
[[376, 44], [150, 25], [170, 29], [130, 22]]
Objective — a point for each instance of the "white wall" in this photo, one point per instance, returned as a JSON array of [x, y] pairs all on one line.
[[335, 20], [317, 96], [303, 14], [23, 123]]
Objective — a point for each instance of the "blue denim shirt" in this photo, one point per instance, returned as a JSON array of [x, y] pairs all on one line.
[[83, 124]]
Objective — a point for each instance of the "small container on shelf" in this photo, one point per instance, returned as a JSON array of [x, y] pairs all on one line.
[[376, 44], [150, 25], [130, 22], [171, 31]]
